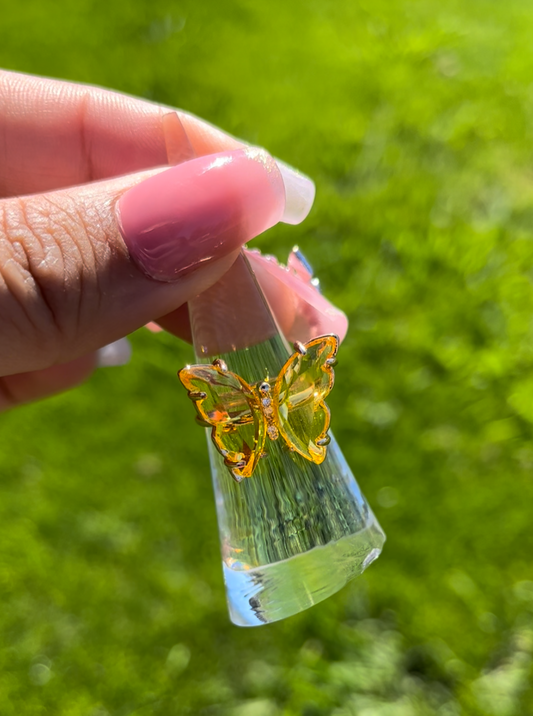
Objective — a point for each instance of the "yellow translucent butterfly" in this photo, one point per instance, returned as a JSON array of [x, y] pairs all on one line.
[[292, 406]]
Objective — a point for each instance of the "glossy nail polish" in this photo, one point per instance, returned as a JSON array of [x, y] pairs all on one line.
[[200, 211], [302, 310]]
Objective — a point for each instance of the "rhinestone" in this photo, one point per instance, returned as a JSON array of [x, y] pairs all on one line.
[[272, 432]]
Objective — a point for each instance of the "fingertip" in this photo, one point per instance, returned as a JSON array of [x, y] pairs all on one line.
[[114, 354], [301, 310], [28, 387]]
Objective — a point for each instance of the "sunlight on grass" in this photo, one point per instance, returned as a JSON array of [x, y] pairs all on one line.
[[414, 118]]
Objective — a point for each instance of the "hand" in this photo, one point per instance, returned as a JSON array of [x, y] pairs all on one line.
[[98, 236]]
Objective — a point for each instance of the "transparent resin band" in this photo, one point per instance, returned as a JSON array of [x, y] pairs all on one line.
[[294, 526]]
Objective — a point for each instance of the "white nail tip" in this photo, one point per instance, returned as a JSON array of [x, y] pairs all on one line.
[[299, 194], [114, 354]]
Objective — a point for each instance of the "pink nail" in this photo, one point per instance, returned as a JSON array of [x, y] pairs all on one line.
[[302, 311], [200, 211], [298, 264]]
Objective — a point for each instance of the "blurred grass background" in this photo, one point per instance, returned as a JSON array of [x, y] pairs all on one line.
[[415, 118]]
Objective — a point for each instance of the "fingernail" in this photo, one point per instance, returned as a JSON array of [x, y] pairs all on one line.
[[314, 313], [299, 188], [300, 265], [114, 354], [179, 147], [299, 192], [200, 211]]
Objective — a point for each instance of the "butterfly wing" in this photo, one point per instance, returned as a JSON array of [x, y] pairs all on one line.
[[302, 385], [227, 404]]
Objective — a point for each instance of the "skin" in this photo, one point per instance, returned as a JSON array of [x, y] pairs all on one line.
[[68, 285]]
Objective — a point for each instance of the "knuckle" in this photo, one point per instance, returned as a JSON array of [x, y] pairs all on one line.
[[45, 259]]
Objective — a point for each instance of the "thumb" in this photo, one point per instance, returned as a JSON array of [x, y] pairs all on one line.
[[81, 267]]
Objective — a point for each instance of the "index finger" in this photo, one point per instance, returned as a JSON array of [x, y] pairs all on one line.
[[55, 134]]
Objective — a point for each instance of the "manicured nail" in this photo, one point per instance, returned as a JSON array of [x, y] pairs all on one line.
[[300, 265], [179, 147], [114, 354], [314, 313], [299, 191], [201, 210], [299, 188]]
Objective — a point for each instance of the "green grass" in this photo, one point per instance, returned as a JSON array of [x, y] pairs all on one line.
[[415, 119]]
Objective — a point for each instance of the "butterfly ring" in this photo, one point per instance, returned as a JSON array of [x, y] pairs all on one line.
[[242, 417]]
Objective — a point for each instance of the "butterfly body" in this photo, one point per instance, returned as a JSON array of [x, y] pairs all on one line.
[[243, 416], [268, 410]]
